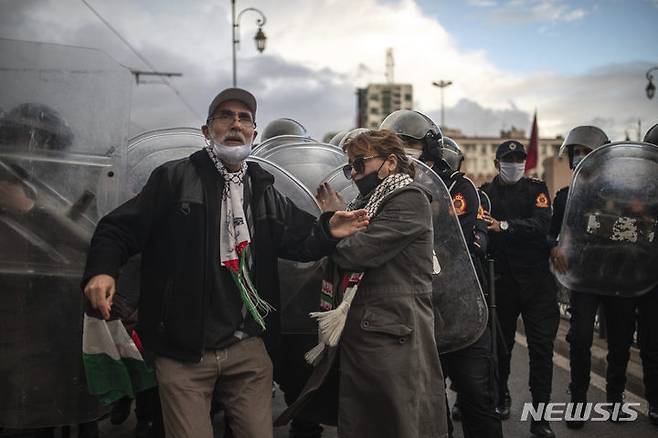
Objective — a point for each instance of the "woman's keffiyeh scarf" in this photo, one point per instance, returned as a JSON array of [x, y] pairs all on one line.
[[234, 240], [332, 321]]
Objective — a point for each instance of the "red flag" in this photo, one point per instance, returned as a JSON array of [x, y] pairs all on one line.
[[533, 146]]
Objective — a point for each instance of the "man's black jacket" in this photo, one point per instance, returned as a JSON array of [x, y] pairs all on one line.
[[174, 223], [526, 206]]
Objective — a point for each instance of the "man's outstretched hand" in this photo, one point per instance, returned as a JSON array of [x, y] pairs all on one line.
[[345, 223], [99, 291]]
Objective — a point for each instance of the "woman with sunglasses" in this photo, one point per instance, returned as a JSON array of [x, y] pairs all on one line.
[[391, 383]]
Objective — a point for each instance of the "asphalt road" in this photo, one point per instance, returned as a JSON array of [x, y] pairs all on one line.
[[513, 427]]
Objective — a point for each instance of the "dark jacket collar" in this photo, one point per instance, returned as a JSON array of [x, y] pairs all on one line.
[[260, 179]]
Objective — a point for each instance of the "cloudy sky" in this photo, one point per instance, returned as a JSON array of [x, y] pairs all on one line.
[[575, 62]]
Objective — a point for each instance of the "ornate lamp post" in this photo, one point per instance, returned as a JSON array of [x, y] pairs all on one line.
[[259, 38]]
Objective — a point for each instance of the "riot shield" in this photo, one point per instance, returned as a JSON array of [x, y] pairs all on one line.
[[66, 110], [308, 162], [281, 140], [608, 235], [143, 154], [459, 305], [300, 283]]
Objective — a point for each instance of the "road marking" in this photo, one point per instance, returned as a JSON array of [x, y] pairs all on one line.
[[595, 380]]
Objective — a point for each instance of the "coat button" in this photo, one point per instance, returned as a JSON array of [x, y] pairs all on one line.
[[402, 340], [365, 324]]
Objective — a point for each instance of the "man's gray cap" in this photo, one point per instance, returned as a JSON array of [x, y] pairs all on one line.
[[233, 94]]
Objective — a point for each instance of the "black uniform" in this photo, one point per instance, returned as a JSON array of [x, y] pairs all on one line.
[[524, 283], [619, 322], [471, 369]]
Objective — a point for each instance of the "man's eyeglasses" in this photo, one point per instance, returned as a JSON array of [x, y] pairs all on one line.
[[226, 118], [359, 165]]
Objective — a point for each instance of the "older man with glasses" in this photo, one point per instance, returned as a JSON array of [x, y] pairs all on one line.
[[210, 228]]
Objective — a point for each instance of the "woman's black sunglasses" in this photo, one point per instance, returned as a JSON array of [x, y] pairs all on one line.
[[359, 165]]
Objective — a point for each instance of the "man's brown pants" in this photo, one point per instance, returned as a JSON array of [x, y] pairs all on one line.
[[243, 373]]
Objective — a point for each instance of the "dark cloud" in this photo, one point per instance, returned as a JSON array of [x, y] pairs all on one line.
[[473, 119]]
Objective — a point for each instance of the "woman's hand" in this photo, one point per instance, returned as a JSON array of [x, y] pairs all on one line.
[[329, 199], [345, 223]]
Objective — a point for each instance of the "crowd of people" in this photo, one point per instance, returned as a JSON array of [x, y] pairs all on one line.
[[211, 228]]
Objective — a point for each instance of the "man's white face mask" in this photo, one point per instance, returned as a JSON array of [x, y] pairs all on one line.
[[232, 155], [511, 173]]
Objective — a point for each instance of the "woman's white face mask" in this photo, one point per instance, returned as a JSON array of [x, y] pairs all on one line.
[[511, 173]]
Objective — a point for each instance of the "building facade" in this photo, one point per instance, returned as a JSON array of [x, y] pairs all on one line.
[[377, 101]]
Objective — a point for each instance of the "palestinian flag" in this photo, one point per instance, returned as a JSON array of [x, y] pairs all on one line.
[[113, 362]]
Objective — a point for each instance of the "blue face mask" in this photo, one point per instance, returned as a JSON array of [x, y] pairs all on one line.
[[511, 173], [232, 155]]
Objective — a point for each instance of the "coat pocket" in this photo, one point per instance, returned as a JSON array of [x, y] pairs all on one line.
[[386, 323]]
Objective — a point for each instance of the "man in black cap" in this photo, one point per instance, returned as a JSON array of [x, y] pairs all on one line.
[[518, 225], [210, 229]]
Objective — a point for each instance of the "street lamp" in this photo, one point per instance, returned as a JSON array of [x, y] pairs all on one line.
[[651, 88], [442, 84], [260, 37]]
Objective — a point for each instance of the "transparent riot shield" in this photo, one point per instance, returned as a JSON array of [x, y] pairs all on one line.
[[281, 140], [66, 110], [144, 153], [460, 308], [308, 162], [608, 235]]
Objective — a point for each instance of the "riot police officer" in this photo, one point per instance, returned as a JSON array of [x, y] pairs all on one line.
[[619, 312], [648, 329], [471, 368], [519, 221]]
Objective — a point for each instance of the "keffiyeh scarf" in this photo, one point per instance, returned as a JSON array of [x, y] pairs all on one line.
[[235, 240], [332, 321]]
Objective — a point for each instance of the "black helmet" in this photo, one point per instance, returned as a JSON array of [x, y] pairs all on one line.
[[452, 154], [652, 135], [283, 126], [37, 125], [416, 126], [589, 136]]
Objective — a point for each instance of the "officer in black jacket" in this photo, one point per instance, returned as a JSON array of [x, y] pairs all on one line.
[[519, 221], [647, 327], [619, 312], [471, 368]]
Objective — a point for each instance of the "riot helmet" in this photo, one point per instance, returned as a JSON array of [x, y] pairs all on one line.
[[416, 126], [336, 139], [35, 125], [590, 137], [350, 135], [451, 154], [283, 126], [652, 135]]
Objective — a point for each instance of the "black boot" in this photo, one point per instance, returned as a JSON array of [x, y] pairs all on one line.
[[577, 409], [503, 409], [120, 410], [617, 400], [305, 429], [541, 429]]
